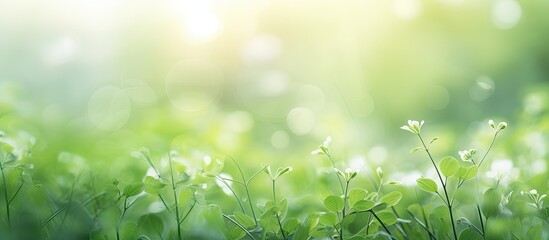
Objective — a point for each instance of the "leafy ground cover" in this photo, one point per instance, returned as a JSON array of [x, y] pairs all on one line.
[[174, 200]]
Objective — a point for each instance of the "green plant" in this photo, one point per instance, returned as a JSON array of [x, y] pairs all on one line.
[[448, 168]]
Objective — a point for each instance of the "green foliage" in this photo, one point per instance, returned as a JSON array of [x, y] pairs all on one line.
[[427, 184], [180, 201]]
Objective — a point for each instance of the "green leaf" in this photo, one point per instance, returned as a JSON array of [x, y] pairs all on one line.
[[413, 150], [427, 184], [333, 203], [245, 220], [328, 219], [535, 232], [282, 208], [268, 220], [363, 205], [129, 230], [490, 202], [305, 229], [355, 195], [467, 173], [133, 189], [290, 225], [379, 207], [470, 234], [282, 171], [151, 224], [449, 166], [388, 218], [153, 185], [392, 198]]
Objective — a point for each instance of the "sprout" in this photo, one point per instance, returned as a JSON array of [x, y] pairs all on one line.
[[413, 126], [467, 155], [323, 149], [501, 125]]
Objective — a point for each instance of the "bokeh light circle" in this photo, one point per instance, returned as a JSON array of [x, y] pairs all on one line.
[[109, 108], [194, 85], [301, 120]]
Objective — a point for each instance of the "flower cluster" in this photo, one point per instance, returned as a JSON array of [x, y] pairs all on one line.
[[537, 200]]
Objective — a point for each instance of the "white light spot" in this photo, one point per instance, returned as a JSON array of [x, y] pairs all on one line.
[[506, 13], [109, 108], [406, 9], [201, 24], [301, 120], [280, 139], [377, 155], [61, 51], [273, 83], [358, 162], [239, 121], [193, 85], [262, 48], [223, 184], [139, 91], [502, 169], [534, 103], [482, 89]]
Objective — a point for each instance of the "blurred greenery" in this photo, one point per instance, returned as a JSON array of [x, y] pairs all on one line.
[[264, 82]]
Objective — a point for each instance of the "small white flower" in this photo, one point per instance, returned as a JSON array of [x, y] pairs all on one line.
[[534, 192], [502, 125], [413, 126], [323, 149], [492, 124], [466, 155]]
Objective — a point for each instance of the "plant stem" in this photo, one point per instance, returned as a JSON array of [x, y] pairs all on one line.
[[239, 225], [246, 188], [232, 190], [448, 203], [280, 226], [344, 209], [381, 222], [481, 220], [274, 192], [121, 217], [489, 148], [6, 195], [338, 177], [175, 199]]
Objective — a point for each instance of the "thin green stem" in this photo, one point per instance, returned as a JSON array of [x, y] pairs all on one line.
[[334, 167], [175, 199], [280, 226], [6, 195], [121, 218], [423, 225], [480, 218], [344, 209], [188, 212], [448, 203], [274, 191], [381, 222], [489, 148], [239, 225], [246, 187], [16, 193], [232, 191]]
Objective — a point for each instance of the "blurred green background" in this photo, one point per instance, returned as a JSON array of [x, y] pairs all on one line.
[[267, 81]]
